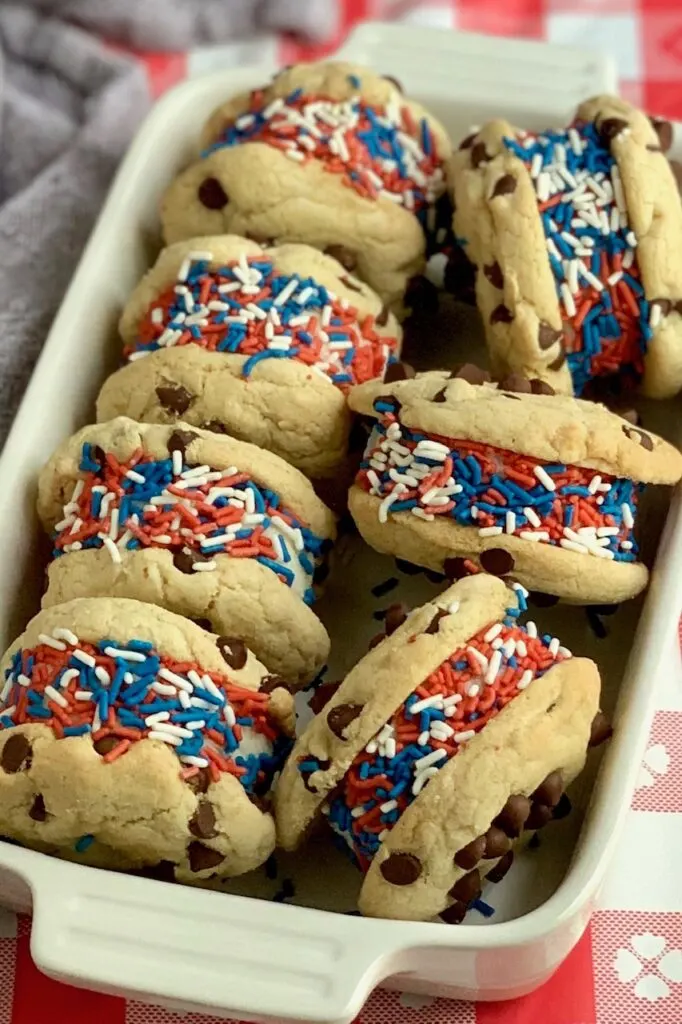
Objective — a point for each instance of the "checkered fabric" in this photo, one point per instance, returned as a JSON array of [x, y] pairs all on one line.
[[627, 969]]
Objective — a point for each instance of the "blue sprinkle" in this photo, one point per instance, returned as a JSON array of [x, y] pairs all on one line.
[[83, 843]]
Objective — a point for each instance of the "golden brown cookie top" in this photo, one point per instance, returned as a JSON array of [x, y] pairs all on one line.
[[519, 416]]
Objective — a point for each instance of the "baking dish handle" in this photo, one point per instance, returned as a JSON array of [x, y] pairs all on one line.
[[196, 950]]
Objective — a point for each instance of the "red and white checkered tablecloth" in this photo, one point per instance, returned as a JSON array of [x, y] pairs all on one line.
[[627, 969]]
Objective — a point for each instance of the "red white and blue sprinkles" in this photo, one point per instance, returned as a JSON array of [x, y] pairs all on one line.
[[592, 251], [121, 693], [445, 712], [498, 492], [197, 513], [379, 151], [247, 307]]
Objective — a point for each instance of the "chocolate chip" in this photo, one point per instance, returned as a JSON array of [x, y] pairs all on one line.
[[395, 81], [260, 238], [540, 815], [341, 716], [375, 641], [557, 363], [504, 186], [541, 387], [664, 130], [548, 335], [501, 315], [601, 730], [322, 695], [665, 305], [455, 568], [467, 888], [563, 808], [345, 256], [185, 559], [174, 398], [398, 371], [17, 754], [421, 295], [201, 857], [610, 128], [38, 811], [501, 868], [479, 155], [215, 426], [471, 373], [440, 396], [401, 868], [496, 561], [654, 149], [468, 142], [639, 436], [493, 271], [261, 802], [676, 168], [270, 683], [322, 766], [454, 914], [382, 316], [98, 455], [106, 744], [202, 822], [180, 440], [515, 382], [542, 600], [459, 277], [469, 856], [200, 782], [515, 397], [550, 789], [233, 650], [211, 194], [395, 616], [497, 843], [164, 871], [434, 624], [513, 815], [350, 284]]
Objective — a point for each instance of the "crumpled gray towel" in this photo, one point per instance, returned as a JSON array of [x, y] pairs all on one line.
[[69, 106]]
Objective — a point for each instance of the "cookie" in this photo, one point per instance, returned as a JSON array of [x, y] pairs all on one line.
[[329, 154], [457, 732], [461, 475], [169, 736], [262, 345], [206, 526], [577, 239]]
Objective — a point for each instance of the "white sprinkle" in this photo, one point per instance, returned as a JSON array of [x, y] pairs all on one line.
[[371, 747], [427, 702], [204, 566], [173, 730], [177, 680], [544, 478], [572, 276], [532, 516], [537, 536], [116, 652], [494, 631], [195, 762], [421, 514], [103, 676], [567, 298], [525, 680], [388, 806], [590, 278], [479, 658], [165, 737], [113, 524], [160, 716], [56, 696], [607, 531], [554, 646], [473, 690], [593, 485], [510, 522], [286, 293], [423, 738], [490, 531], [83, 694], [531, 629], [112, 549], [626, 545], [573, 546], [23, 680], [521, 649], [421, 779], [493, 667], [628, 518], [49, 641], [430, 759], [136, 477], [185, 700], [463, 737], [655, 315], [386, 502], [87, 659], [453, 608], [62, 633]]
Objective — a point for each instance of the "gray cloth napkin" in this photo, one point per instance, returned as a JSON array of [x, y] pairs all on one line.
[[69, 106]]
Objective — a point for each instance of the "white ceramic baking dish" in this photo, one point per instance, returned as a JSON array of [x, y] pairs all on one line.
[[241, 954]]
